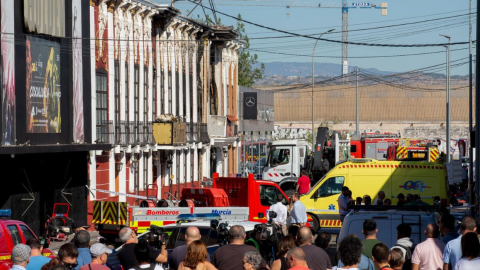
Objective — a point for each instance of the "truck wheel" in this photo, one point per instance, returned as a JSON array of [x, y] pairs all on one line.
[[289, 192], [314, 223]]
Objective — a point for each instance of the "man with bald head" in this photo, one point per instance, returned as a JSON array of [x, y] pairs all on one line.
[[296, 259], [428, 254], [178, 254], [316, 257]]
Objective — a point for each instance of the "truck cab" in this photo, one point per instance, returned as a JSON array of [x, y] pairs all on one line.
[[14, 232], [286, 159]]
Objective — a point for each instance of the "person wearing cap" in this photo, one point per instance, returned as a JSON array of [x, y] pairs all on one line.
[[80, 226], [37, 260], [20, 257], [99, 254], [82, 242]]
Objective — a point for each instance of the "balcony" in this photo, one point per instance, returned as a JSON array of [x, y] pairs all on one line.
[[232, 129], [189, 131], [170, 133], [203, 132], [145, 135], [217, 126], [105, 132]]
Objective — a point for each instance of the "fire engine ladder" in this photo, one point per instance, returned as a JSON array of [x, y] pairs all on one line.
[[418, 224]]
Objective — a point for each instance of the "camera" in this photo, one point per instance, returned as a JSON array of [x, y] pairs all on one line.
[[156, 237], [222, 231]]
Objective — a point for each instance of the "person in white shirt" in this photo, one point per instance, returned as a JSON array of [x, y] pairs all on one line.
[[281, 210], [342, 204], [470, 253], [381, 197]]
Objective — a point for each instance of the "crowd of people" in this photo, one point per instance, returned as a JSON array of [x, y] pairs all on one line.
[[300, 251], [346, 199]]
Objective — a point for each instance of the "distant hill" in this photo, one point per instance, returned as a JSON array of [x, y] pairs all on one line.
[[289, 73], [304, 69]]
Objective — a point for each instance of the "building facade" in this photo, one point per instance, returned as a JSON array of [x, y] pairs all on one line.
[[45, 106], [147, 62]]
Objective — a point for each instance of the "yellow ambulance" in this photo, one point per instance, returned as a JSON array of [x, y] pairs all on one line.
[[368, 177]]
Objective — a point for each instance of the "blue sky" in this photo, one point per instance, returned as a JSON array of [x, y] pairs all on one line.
[[317, 20]]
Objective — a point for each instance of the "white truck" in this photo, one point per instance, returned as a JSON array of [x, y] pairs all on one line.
[[287, 158]]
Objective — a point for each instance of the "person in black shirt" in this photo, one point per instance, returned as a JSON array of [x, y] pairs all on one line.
[[230, 257], [316, 257], [323, 241], [126, 254], [401, 199]]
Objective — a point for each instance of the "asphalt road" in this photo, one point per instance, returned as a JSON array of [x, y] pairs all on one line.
[[55, 245]]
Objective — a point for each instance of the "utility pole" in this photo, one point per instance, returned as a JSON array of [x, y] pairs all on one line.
[[357, 130], [448, 158], [477, 115], [313, 85], [470, 113]]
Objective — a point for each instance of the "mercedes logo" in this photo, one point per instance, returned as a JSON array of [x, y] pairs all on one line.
[[250, 101]]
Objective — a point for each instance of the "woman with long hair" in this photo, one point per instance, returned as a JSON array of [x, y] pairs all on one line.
[[286, 243], [196, 258], [470, 253]]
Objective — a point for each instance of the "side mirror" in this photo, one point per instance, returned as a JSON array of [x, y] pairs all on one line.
[[316, 194], [44, 242]]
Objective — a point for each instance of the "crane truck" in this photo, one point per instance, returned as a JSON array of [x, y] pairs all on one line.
[[287, 158]]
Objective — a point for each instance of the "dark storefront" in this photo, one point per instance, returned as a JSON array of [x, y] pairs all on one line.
[[45, 107]]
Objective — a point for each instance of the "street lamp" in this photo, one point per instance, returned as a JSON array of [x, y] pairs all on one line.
[[447, 148], [313, 82]]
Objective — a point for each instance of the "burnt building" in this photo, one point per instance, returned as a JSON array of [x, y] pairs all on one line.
[[46, 104]]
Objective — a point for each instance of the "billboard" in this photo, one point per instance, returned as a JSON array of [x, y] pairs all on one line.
[[250, 105], [7, 74], [78, 130], [43, 86]]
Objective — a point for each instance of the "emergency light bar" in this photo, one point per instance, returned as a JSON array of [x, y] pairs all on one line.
[[194, 217], [360, 160], [5, 212]]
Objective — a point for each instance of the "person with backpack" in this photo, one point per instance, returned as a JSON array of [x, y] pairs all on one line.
[[405, 244], [428, 254]]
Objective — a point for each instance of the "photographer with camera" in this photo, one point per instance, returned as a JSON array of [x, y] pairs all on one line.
[[281, 210], [126, 254], [177, 256], [230, 256]]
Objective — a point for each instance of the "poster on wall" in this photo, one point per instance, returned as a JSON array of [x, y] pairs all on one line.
[[43, 86], [78, 130], [7, 79]]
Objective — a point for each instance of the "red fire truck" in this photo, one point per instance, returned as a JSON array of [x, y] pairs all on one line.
[[373, 145], [233, 198]]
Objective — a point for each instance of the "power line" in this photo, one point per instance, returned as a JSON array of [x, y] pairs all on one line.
[[341, 42]]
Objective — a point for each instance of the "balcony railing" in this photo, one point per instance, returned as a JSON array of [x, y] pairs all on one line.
[[232, 129], [145, 135], [189, 131], [203, 132], [217, 125], [105, 132]]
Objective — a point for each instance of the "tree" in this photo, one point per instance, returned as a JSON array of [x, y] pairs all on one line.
[[247, 73]]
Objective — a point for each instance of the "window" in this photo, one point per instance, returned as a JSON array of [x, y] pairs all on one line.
[[268, 195], [331, 186], [353, 149], [127, 94], [154, 95], [280, 157], [26, 232], [169, 92], [117, 101], [177, 100], [145, 171], [145, 94], [15, 234], [102, 107], [136, 95]]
